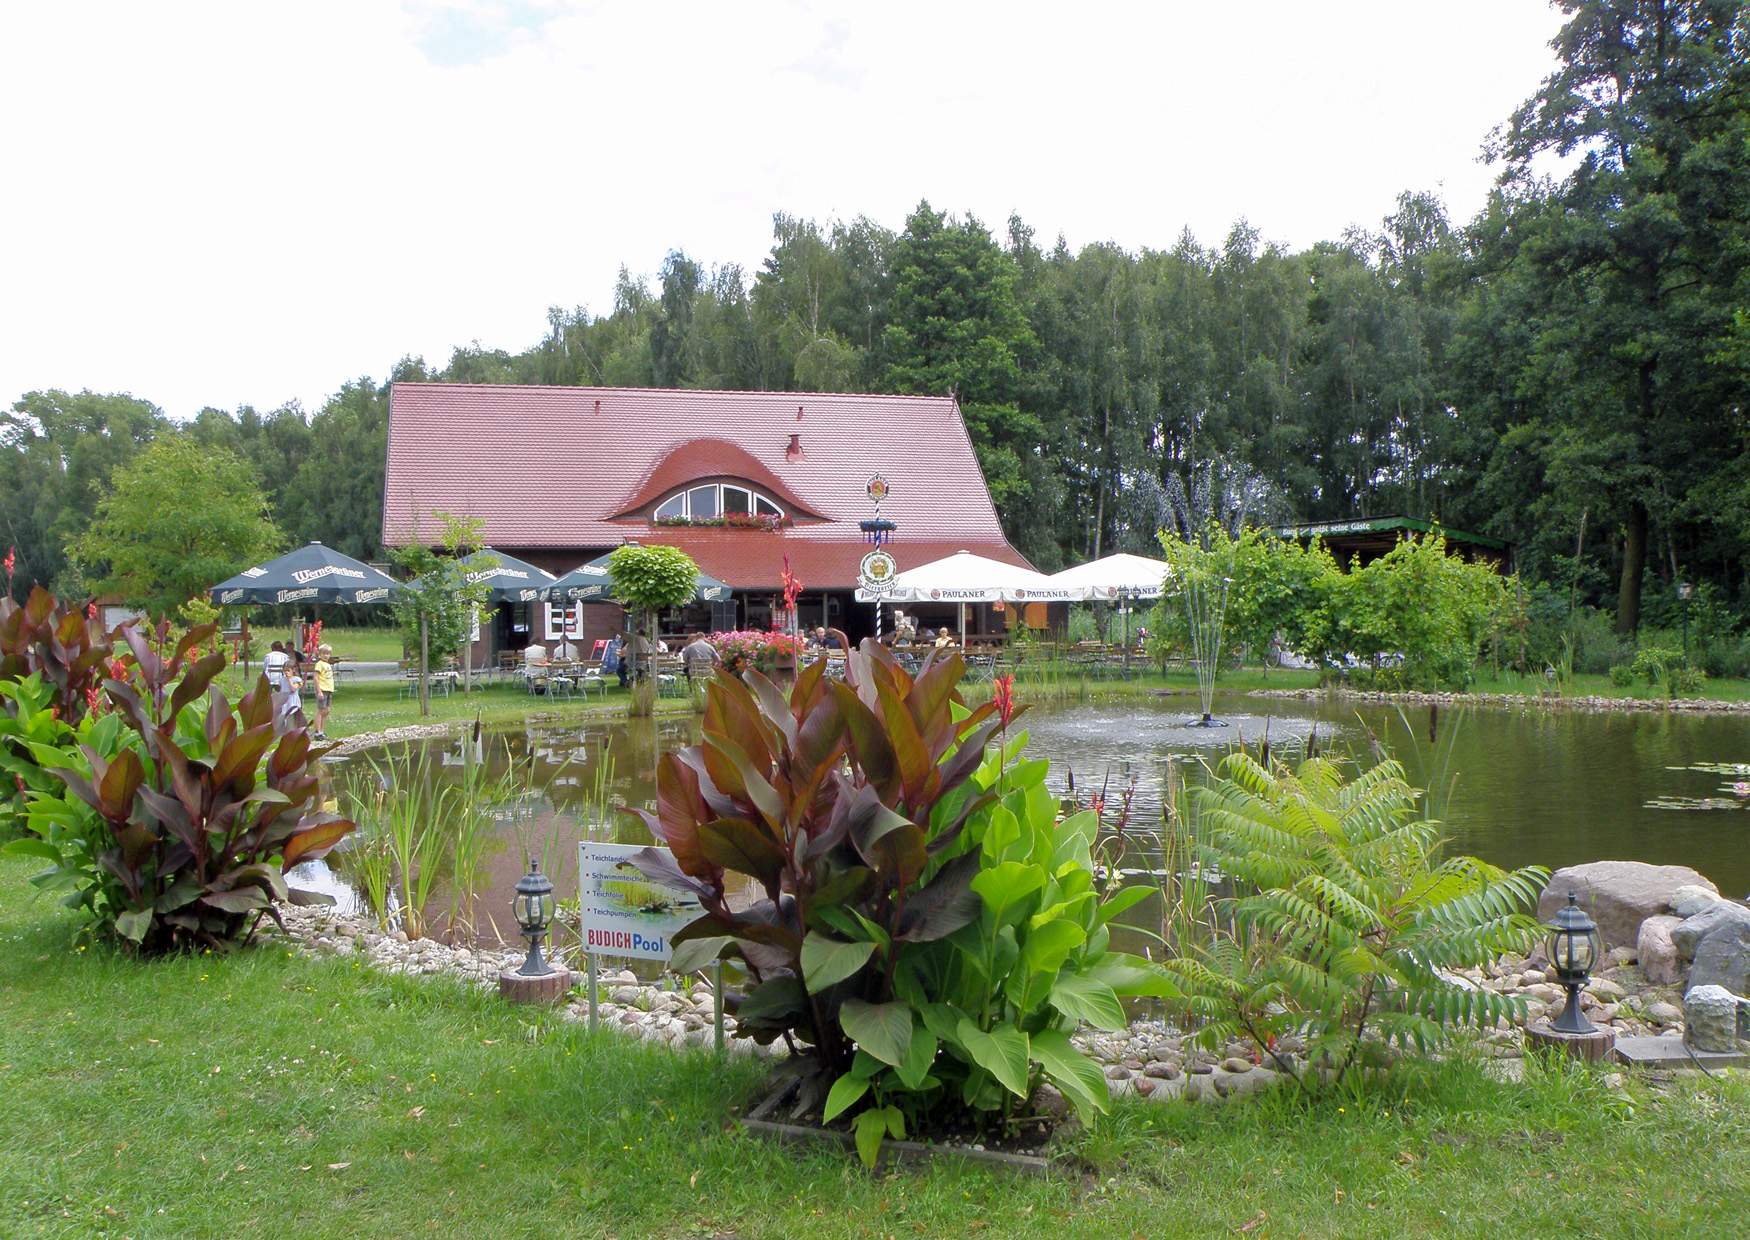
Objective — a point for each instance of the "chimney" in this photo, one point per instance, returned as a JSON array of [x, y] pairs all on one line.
[[798, 413], [598, 406], [794, 451]]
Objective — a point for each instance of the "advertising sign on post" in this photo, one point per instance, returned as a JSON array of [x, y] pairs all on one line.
[[624, 913]]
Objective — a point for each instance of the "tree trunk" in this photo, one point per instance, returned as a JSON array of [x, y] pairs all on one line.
[[424, 684], [1634, 560]]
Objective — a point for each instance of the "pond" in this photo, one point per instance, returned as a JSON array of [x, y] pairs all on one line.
[[1515, 786]]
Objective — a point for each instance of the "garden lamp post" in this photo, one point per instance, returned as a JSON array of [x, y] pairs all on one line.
[[533, 907], [1684, 591], [1573, 950]]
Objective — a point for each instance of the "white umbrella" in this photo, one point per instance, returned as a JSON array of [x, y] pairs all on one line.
[[967, 578], [964, 578], [1114, 577]]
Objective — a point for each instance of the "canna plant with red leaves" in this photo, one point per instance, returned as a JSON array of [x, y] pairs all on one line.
[[67, 646], [927, 932], [177, 814]]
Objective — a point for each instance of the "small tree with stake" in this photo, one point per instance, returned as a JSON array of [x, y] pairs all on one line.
[[436, 610], [646, 580]]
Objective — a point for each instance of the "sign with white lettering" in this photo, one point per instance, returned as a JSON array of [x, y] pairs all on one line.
[[623, 913]]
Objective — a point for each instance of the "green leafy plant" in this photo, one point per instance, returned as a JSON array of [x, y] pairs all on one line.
[[1344, 922], [930, 931], [175, 824]]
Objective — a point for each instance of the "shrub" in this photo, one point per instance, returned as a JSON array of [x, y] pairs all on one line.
[[171, 818], [930, 931], [1622, 675], [1343, 922]]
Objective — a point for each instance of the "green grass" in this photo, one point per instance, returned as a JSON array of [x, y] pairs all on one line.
[[351, 645], [268, 1094]]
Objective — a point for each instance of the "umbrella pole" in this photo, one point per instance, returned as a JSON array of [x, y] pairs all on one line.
[[961, 609], [1124, 602]]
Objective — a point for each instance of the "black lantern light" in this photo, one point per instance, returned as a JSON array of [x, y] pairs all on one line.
[[533, 907], [1573, 950]]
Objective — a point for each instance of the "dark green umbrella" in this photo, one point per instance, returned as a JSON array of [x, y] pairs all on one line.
[[590, 583], [311, 574]]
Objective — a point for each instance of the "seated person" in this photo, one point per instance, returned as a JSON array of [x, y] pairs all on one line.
[[534, 655], [565, 650], [905, 629], [699, 657], [944, 639]]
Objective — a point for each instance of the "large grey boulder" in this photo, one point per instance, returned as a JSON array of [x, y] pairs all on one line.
[[1710, 1019], [1688, 901], [1659, 961], [1689, 935], [1723, 958], [1619, 895]]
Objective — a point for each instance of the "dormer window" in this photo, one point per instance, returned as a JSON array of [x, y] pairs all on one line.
[[713, 500]]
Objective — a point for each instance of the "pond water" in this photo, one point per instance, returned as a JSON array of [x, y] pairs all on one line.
[[1517, 786]]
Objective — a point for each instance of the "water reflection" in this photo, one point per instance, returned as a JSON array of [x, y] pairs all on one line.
[[1513, 786]]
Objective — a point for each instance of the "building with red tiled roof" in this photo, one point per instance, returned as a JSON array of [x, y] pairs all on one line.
[[560, 475]]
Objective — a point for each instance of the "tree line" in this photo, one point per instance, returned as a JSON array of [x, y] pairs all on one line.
[[1567, 370]]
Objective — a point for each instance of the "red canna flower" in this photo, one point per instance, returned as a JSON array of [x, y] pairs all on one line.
[[93, 703], [19, 780], [1004, 696], [11, 564]]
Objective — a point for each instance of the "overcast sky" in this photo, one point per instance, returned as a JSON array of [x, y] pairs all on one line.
[[237, 203]]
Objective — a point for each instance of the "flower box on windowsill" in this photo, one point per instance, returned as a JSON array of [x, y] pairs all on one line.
[[730, 521]]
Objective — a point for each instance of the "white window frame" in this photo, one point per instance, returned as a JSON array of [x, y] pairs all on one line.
[[683, 496], [565, 620]]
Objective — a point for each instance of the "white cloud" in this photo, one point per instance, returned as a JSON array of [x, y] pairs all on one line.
[[225, 203]]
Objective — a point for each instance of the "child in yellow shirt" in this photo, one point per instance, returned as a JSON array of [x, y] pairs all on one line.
[[324, 688]]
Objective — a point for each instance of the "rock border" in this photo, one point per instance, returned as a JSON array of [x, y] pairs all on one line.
[[1594, 703]]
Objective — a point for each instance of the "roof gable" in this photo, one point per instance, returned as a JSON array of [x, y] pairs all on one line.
[[555, 466]]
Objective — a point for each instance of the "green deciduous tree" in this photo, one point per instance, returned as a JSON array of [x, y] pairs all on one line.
[[177, 520]]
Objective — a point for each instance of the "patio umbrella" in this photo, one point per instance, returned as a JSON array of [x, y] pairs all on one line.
[[511, 580], [968, 578], [965, 577], [311, 574], [590, 583], [1117, 578], [1114, 577]]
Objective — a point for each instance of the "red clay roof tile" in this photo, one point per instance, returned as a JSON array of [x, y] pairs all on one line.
[[550, 467]]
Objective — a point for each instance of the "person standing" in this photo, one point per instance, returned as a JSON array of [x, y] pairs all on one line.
[[291, 703], [324, 689], [614, 658], [274, 667]]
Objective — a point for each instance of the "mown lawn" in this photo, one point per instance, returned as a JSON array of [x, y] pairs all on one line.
[[263, 1093]]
